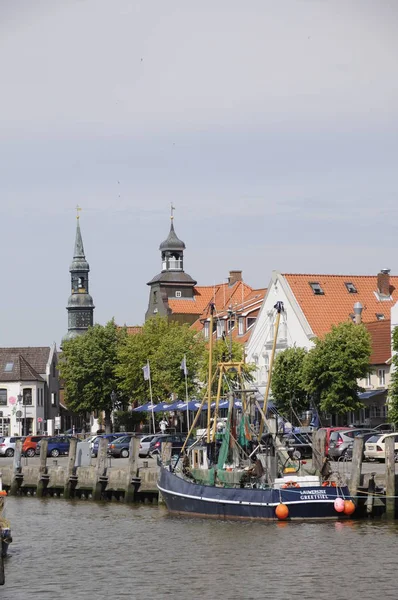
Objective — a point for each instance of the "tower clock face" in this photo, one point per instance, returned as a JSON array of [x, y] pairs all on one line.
[[83, 319]]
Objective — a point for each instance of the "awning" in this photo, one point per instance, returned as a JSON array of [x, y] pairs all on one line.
[[371, 394]]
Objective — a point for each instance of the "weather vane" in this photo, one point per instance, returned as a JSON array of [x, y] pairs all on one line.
[[78, 209], [172, 211]]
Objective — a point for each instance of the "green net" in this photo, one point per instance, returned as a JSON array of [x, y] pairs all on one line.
[[244, 431], [224, 450]]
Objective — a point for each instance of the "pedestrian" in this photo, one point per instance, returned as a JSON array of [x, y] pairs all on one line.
[[163, 424]]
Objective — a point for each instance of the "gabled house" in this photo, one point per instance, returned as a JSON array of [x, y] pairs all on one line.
[[313, 303], [29, 390]]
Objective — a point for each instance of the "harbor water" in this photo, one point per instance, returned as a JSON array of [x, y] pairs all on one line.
[[78, 549]]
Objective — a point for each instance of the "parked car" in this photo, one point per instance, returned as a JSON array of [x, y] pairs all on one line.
[[329, 431], [57, 445], [145, 442], [30, 443], [7, 445], [385, 428], [120, 447], [177, 441], [301, 443], [108, 436], [340, 440], [375, 447]]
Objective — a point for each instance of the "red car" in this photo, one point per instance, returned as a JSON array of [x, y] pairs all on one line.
[[30, 443]]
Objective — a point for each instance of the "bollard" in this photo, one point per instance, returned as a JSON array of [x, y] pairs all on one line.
[[318, 446], [43, 475], [133, 481], [71, 477], [101, 478], [390, 476], [17, 476], [356, 467]]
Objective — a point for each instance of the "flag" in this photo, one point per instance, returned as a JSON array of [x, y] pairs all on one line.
[[183, 366], [147, 372]]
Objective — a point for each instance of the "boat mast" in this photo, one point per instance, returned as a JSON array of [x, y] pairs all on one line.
[[209, 381], [279, 309]]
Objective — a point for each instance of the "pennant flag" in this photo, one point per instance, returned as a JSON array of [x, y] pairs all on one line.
[[147, 372], [184, 365]]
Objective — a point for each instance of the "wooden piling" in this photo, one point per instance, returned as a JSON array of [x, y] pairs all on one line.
[[70, 479], [100, 472], [356, 467], [318, 449], [17, 475], [390, 477], [132, 470], [43, 477]]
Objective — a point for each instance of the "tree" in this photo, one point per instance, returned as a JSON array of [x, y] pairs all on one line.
[[332, 368], [164, 345], [393, 389], [88, 369], [288, 391]]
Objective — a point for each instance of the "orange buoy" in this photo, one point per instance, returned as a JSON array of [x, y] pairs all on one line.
[[282, 511], [3, 493], [349, 507]]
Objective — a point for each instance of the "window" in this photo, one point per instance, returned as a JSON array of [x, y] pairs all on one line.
[[351, 289], [9, 367], [53, 398], [220, 328], [368, 381], [380, 316], [155, 297], [54, 370], [250, 321], [178, 294], [3, 397], [231, 324], [27, 397], [316, 288], [241, 326], [80, 283], [382, 376]]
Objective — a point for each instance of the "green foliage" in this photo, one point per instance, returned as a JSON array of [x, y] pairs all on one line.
[[87, 368], [393, 388], [222, 353], [332, 368], [288, 389], [164, 344], [126, 420]]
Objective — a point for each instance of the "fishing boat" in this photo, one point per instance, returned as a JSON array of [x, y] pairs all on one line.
[[240, 473]]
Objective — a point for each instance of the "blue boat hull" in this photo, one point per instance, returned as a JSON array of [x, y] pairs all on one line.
[[185, 497]]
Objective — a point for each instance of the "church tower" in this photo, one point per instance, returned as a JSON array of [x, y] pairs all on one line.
[[172, 285], [80, 304]]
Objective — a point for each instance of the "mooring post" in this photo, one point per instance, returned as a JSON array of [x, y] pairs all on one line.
[[318, 449], [356, 467], [17, 475], [133, 481], [43, 475], [101, 478], [71, 478], [390, 477]]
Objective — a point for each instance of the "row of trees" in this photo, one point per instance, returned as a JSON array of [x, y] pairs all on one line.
[[325, 376], [106, 364]]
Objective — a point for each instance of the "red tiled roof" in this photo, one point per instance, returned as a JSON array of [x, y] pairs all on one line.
[[380, 332], [202, 297], [336, 304], [133, 329]]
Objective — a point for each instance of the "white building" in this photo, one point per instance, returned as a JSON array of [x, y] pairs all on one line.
[[313, 303], [29, 390]]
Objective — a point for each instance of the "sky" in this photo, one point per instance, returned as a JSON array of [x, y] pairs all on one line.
[[271, 127]]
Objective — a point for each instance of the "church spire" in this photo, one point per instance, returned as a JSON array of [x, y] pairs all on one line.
[[80, 304]]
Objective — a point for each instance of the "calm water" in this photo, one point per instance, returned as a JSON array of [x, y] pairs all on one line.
[[84, 550]]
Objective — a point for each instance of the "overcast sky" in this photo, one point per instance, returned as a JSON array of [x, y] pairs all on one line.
[[270, 124]]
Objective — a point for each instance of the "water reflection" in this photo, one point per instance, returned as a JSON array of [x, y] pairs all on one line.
[[78, 549]]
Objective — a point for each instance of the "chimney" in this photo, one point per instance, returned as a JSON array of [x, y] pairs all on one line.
[[234, 277], [358, 308], [383, 282]]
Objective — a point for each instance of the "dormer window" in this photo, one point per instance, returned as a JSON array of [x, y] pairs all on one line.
[[351, 289], [178, 294], [316, 288], [220, 328], [9, 367], [207, 327], [380, 316]]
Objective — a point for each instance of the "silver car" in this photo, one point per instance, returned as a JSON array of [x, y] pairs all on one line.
[[144, 445], [7, 445], [341, 440]]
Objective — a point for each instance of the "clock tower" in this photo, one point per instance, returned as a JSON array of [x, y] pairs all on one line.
[[80, 304]]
